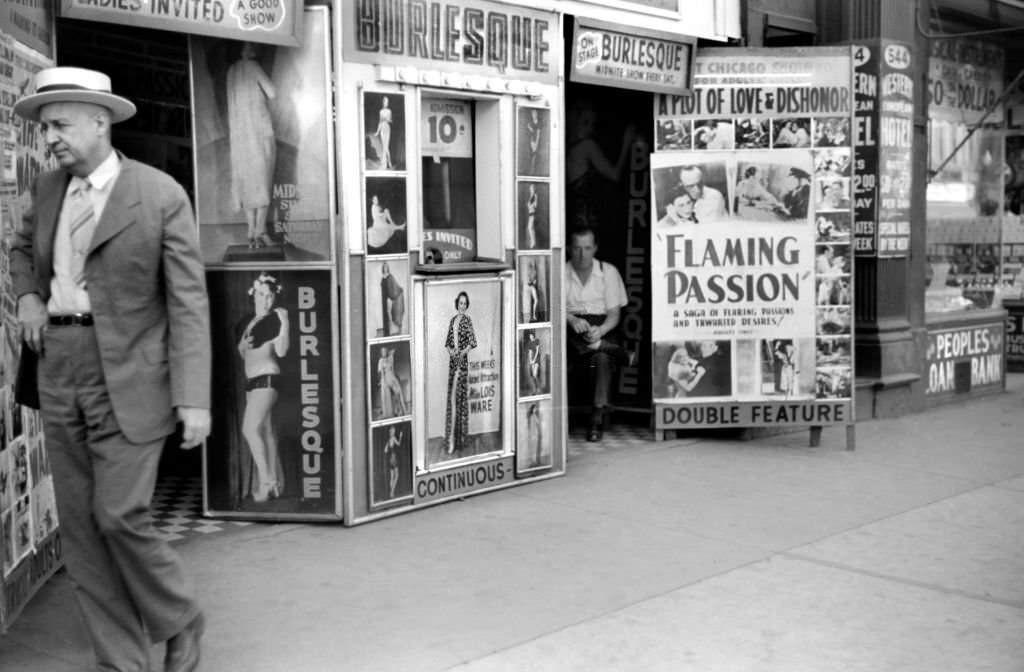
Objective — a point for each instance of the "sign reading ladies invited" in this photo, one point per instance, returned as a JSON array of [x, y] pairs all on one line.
[[270, 21], [472, 37]]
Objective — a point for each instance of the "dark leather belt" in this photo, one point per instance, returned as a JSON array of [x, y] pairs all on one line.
[[75, 320]]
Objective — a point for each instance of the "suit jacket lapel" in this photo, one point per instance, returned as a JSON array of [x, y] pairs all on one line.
[[118, 213], [48, 215]]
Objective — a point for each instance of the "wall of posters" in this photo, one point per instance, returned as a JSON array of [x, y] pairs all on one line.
[[273, 450], [264, 171], [750, 244], [30, 549]]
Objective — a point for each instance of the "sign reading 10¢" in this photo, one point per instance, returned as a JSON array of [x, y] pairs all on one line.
[[446, 127]]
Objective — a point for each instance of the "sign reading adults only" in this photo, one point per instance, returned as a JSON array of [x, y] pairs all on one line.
[[270, 21]]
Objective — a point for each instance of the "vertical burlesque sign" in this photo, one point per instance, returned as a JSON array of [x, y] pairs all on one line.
[[751, 259], [272, 448]]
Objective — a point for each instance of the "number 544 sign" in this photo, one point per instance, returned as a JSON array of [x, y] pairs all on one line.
[[446, 127]]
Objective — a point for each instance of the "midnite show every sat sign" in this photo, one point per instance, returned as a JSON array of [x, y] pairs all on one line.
[[607, 55]]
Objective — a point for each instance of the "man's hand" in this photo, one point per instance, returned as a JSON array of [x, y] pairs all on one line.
[[32, 318], [196, 423], [578, 324]]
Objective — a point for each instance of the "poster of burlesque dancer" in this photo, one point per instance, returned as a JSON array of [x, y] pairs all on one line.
[[390, 380], [465, 368], [272, 449], [263, 139], [391, 469]]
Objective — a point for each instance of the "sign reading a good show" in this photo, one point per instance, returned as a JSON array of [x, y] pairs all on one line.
[[270, 21], [471, 37], [608, 55]]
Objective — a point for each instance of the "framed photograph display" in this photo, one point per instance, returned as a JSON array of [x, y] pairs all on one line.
[[467, 380], [534, 361], [534, 128], [273, 450], [262, 136], [534, 218], [387, 299], [533, 435], [385, 215], [391, 464], [390, 380], [534, 288], [383, 131]]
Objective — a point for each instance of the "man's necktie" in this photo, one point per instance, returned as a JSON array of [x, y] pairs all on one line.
[[83, 221]]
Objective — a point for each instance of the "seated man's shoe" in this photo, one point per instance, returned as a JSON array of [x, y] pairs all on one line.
[[183, 649]]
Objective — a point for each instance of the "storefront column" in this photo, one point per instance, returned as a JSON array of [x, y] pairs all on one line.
[[889, 299]]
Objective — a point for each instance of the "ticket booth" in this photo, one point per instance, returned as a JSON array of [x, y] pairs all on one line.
[[383, 306]]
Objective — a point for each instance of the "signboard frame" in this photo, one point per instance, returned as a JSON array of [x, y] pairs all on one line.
[[706, 135], [286, 30]]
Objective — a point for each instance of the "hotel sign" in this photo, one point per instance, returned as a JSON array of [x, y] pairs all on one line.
[[270, 21], [473, 37], [630, 58]]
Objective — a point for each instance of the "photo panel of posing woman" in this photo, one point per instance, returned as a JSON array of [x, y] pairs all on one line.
[[534, 230], [687, 369], [273, 392], [787, 367], [832, 274], [391, 464], [534, 362], [534, 288], [262, 162], [533, 142], [386, 298], [463, 343], [390, 380], [384, 131], [386, 214], [533, 435]]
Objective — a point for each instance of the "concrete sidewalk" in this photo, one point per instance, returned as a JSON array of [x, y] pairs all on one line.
[[906, 554]]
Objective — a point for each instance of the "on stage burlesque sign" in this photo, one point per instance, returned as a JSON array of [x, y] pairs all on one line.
[[750, 241]]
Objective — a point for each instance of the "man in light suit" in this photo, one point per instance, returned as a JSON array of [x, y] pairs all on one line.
[[112, 297]]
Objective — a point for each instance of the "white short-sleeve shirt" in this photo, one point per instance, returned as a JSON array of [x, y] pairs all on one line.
[[604, 290]]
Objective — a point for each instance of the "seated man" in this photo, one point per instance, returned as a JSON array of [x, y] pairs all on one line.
[[594, 297]]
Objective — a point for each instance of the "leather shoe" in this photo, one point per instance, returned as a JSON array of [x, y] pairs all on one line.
[[183, 649], [595, 433]]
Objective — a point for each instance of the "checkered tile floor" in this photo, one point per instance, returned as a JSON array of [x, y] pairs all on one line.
[[178, 510], [178, 500]]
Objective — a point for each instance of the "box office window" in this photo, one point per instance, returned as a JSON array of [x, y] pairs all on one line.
[[458, 154]]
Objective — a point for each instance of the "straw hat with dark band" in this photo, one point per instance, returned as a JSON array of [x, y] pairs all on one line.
[[73, 85]]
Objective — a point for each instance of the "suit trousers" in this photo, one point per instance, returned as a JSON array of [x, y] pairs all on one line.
[[131, 586]]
